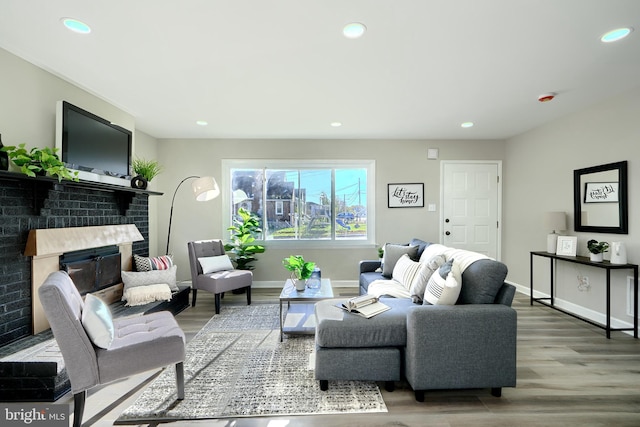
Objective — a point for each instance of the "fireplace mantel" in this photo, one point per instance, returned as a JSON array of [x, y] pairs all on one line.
[[47, 245]]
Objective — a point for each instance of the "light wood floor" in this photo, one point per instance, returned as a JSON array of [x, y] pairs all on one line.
[[569, 374]]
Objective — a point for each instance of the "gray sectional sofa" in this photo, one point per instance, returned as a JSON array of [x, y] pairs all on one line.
[[471, 344]]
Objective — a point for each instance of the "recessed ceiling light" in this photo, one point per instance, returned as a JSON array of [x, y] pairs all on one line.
[[76, 26], [615, 35], [467, 124], [354, 30], [201, 123], [336, 124]]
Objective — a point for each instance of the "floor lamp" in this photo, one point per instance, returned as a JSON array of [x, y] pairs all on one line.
[[204, 189]]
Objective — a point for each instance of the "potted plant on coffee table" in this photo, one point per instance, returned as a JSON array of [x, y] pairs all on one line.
[[597, 249], [300, 269]]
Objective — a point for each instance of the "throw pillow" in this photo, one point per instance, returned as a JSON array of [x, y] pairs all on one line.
[[392, 254], [132, 279], [97, 321], [482, 281], [405, 271], [421, 279], [163, 262], [141, 295], [443, 287], [211, 264]]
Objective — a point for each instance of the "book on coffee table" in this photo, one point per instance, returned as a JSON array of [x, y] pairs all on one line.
[[364, 305]]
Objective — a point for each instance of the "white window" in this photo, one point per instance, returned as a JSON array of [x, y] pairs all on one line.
[[317, 202]]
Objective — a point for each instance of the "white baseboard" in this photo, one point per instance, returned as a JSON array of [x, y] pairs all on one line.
[[587, 313]]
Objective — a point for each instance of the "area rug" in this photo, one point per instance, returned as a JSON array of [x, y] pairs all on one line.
[[236, 366]]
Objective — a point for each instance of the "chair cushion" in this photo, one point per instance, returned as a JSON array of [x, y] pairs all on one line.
[[444, 285], [392, 254], [132, 279], [97, 321], [163, 262], [212, 264]]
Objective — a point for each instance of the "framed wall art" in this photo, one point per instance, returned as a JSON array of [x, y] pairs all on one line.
[[567, 245], [406, 195]]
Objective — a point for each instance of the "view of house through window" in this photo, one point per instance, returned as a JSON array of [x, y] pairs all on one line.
[[311, 203]]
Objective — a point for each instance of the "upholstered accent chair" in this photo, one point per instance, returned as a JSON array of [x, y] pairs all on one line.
[[211, 270], [134, 344]]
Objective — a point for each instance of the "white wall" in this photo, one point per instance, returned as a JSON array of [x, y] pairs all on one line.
[[146, 147], [396, 161], [538, 177], [28, 97]]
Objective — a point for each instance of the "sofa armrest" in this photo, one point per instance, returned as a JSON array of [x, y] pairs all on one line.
[[369, 266], [461, 346]]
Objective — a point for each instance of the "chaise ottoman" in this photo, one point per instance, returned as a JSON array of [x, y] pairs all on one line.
[[351, 347]]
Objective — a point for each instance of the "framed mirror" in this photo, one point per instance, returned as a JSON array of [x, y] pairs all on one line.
[[600, 198]]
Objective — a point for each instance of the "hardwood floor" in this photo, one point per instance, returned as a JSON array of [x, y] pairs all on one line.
[[569, 374]]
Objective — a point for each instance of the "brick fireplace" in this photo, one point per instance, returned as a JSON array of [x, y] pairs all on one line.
[[28, 204]]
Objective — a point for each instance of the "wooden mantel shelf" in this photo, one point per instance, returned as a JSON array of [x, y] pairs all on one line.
[[124, 194]]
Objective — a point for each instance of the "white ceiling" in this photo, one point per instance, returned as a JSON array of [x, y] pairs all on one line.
[[283, 69]]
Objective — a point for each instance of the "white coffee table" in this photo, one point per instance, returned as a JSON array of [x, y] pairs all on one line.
[[301, 319]]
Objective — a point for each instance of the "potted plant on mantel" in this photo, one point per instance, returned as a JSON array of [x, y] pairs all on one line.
[[145, 171], [597, 249], [300, 269], [39, 162]]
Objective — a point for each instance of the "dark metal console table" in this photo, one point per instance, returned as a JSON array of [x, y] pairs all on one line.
[[586, 261]]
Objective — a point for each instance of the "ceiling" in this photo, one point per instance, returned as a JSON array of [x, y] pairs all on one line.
[[283, 69]]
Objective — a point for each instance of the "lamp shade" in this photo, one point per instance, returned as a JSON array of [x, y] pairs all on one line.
[[205, 188], [556, 221]]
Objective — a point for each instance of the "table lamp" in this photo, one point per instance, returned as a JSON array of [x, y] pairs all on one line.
[[555, 221]]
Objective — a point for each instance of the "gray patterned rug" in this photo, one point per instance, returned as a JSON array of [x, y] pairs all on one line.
[[236, 366]]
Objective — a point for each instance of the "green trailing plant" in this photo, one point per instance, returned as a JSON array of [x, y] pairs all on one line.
[[148, 169], [242, 244], [380, 252], [300, 268], [596, 247], [39, 161]]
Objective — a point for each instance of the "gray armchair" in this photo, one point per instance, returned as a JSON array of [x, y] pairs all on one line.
[[140, 343], [217, 282]]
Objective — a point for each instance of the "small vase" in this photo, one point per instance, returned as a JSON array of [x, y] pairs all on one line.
[[139, 182], [298, 283], [597, 257], [4, 158]]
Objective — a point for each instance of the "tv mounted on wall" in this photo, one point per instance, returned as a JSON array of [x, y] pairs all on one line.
[[99, 149]]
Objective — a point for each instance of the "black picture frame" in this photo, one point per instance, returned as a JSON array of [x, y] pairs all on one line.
[[405, 195]]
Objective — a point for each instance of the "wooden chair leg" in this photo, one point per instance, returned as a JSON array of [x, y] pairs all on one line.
[[194, 292], [180, 380], [218, 297], [248, 295], [78, 408]]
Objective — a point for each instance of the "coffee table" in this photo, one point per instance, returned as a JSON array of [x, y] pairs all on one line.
[[302, 318]]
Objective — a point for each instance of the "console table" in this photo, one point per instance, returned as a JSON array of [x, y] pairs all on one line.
[[586, 261]]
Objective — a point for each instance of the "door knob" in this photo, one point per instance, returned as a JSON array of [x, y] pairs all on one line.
[[448, 233], [446, 220]]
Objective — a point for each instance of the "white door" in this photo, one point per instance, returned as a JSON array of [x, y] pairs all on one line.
[[471, 206]]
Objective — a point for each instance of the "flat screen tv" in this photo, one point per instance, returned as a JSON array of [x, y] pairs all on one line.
[[92, 144]]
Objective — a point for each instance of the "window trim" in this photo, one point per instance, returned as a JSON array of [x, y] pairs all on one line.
[[228, 164]]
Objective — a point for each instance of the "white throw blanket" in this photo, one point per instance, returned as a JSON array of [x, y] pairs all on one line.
[[390, 287]]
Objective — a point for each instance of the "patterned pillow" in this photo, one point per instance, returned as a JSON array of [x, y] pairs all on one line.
[[163, 262], [132, 279], [405, 271], [444, 286], [97, 321], [392, 254], [421, 279]]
